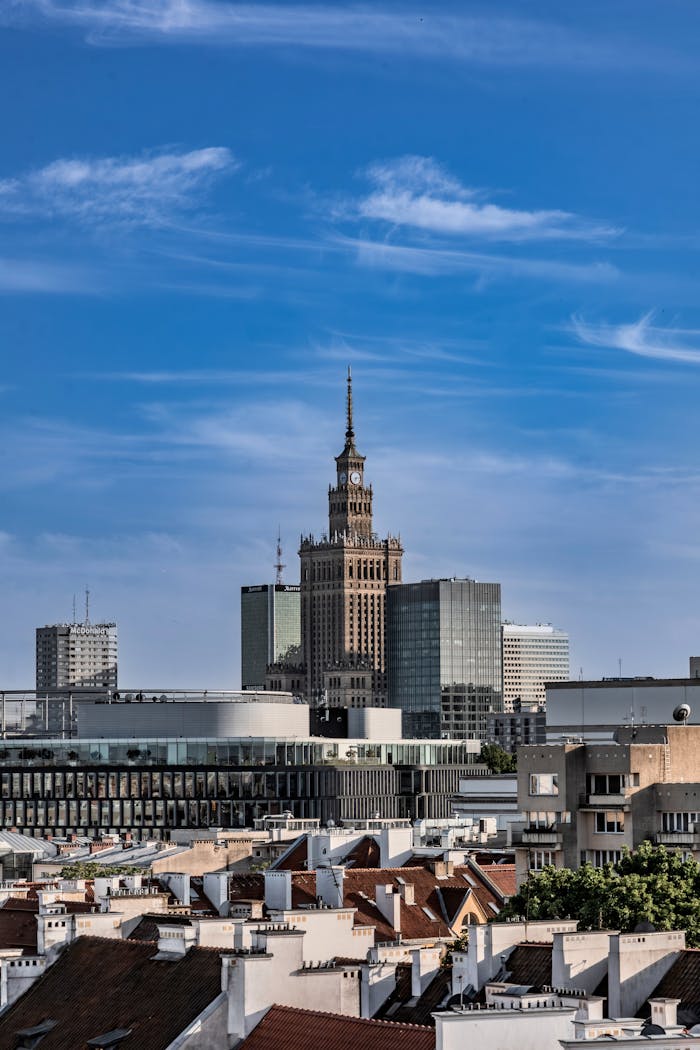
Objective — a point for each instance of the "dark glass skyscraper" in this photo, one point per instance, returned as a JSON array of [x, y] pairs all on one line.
[[445, 662]]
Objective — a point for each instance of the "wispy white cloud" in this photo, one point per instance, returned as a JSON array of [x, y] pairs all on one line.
[[37, 276], [429, 33], [441, 261], [643, 338], [144, 189], [418, 192]]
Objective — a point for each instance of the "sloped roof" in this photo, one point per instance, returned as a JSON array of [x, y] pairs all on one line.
[[501, 875], [365, 854], [294, 857], [400, 1006], [530, 964], [98, 984], [18, 921], [682, 982], [440, 895], [289, 1028]]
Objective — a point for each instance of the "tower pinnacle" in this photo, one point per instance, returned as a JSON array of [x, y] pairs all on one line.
[[350, 433]]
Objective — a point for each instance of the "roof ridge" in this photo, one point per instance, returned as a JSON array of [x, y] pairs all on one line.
[[347, 1018]]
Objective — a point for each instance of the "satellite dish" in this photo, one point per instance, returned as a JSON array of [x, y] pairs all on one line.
[[681, 713], [653, 1029]]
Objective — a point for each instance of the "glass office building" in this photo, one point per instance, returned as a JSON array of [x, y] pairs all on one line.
[[445, 660], [270, 629]]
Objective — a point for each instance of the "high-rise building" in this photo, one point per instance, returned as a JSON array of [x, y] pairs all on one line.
[[76, 655], [270, 630], [532, 655], [344, 580], [445, 669]]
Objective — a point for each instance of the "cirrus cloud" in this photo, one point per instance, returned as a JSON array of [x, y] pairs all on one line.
[[144, 189], [642, 338], [418, 192]]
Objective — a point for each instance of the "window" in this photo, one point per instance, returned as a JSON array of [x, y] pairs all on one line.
[[605, 783], [540, 858], [544, 784], [599, 857], [678, 821], [609, 823]]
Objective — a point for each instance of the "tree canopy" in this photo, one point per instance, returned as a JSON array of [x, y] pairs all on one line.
[[498, 760], [650, 885], [91, 869]]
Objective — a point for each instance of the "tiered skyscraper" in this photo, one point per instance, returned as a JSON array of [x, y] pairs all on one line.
[[344, 580]]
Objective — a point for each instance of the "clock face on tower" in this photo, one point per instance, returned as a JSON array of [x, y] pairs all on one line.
[[342, 477], [355, 477]]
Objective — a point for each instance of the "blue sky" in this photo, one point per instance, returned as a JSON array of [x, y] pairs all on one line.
[[208, 209]]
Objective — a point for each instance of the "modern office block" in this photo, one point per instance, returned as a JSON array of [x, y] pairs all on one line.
[[532, 655], [80, 655], [270, 630], [151, 787], [445, 671]]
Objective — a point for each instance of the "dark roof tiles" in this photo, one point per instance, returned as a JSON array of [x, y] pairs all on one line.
[[99, 984]]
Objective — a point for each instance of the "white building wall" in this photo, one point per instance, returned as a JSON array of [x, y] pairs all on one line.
[[532, 655], [504, 1029], [637, 963]]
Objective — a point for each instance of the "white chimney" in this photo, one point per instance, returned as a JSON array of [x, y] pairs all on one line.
[[278, 890], [664, 1012], [330, 886], [389, 903]]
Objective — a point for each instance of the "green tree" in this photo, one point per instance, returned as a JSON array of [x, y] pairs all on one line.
[[90, 869], [498, 760], [652, 884]]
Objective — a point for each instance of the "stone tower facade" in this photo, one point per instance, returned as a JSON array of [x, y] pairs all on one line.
[[344, 580]]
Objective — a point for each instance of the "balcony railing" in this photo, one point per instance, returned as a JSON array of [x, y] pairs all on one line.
[[617, 801], [548, 837], [689, 838]]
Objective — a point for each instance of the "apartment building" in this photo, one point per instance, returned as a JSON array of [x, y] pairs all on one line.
[[585, 801]]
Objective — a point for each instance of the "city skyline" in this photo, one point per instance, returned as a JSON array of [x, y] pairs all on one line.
[[210, 209]]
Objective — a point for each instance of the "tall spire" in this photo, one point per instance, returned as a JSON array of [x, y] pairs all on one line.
[[350, 433], [279, 565]]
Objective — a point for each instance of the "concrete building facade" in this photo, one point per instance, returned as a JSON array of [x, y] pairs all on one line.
[[445, 669], [585, 801], [532, 655], [81, 655]]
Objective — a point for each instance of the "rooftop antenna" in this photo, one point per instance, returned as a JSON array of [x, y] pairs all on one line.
[[279, 565], [74, 612], [87, 606]]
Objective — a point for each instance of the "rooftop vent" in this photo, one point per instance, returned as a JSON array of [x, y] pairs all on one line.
[[109, 1039], [29, 1038]]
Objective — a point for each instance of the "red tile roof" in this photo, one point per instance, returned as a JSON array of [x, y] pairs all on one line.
[[294, 858], [288, 1028], [441, 895], [98, 984], [365, 854]]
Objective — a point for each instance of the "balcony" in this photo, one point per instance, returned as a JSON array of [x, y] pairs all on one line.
[[548, 838], [689, 839], [618, 801]]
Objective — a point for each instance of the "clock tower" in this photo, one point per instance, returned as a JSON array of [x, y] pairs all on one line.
[[350, 502], [344, 579]]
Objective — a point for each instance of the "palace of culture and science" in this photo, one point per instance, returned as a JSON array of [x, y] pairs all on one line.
[[342, 659], [366, 639], [344, 580]]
